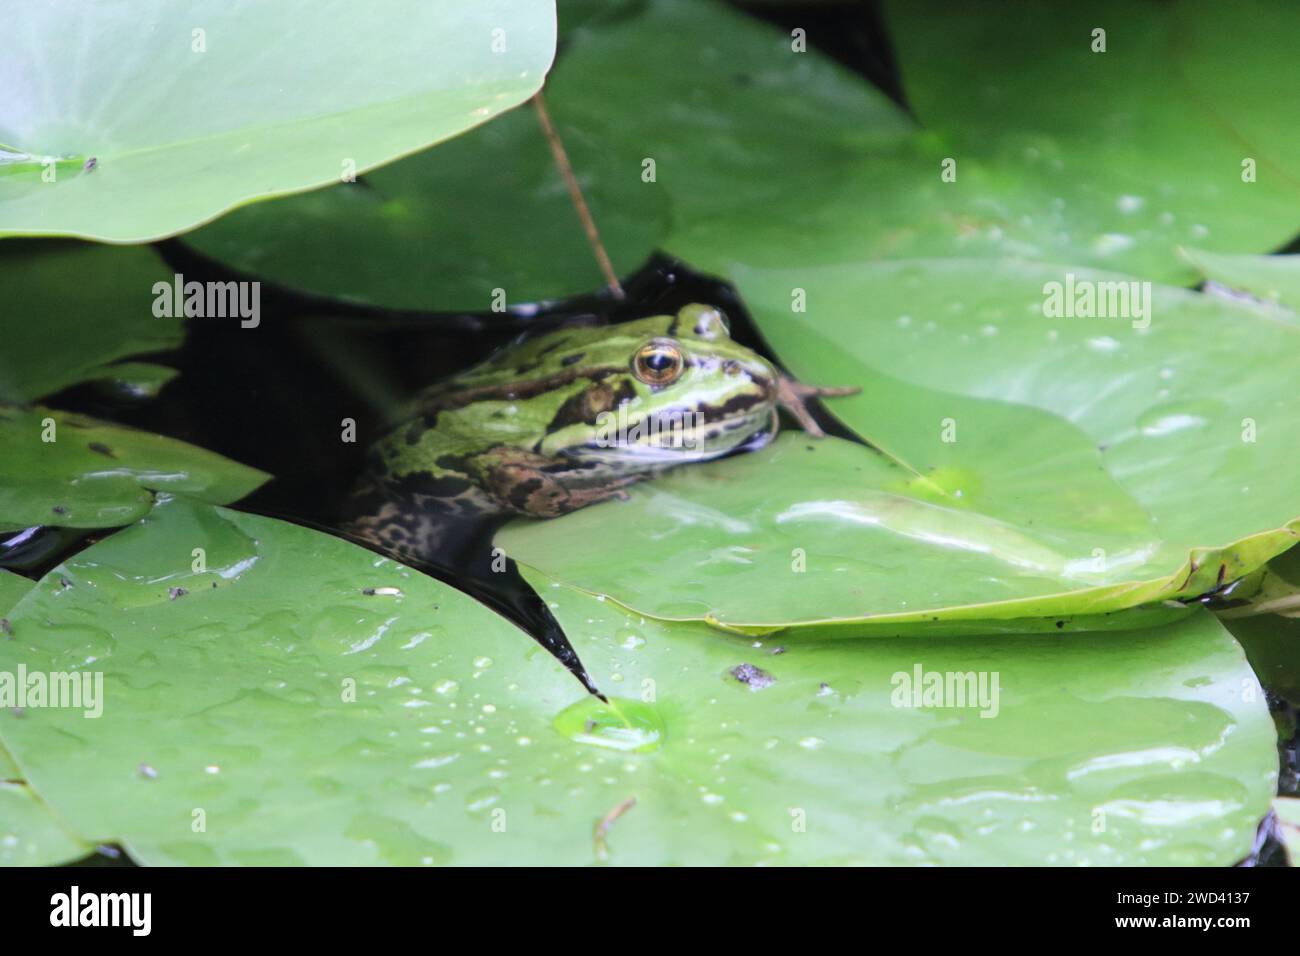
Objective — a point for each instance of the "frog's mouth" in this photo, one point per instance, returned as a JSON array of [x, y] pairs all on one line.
[[678, 438]]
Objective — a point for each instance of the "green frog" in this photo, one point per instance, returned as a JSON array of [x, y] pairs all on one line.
[[569, 418]]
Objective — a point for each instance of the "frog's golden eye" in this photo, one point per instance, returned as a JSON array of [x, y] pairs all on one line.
[[658, 362]]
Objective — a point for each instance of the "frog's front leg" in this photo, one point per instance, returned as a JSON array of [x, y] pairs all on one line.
[[538, 486], [793, 396]]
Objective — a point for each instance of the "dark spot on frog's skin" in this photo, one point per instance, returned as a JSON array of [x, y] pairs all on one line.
[[415, 431], [1060, 624], [573, 359], [174, 593], [101, 449], [450, 462], [521, 492], [443, 486], [755, 678], [584, 407], [731, 407]]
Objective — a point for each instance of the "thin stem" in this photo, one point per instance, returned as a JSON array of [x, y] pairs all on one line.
[[575, 193], [607, 821]]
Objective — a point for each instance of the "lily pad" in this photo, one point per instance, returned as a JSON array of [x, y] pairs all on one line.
[[71, 309], [1272, 643], [1109, 149], [830, 533], [448, 228], [466, 743], [190, 111], [69, 470], [12, 588], [1183, 397], [29, 833]]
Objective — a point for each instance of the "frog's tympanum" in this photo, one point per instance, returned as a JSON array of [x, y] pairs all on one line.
[[566, 419]]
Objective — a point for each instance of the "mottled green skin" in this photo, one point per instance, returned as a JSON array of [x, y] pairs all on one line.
[[523, 433]]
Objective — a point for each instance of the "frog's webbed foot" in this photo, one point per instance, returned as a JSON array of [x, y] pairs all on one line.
[[793, 396]]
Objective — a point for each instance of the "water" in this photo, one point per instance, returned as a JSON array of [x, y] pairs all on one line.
[[620, 724]]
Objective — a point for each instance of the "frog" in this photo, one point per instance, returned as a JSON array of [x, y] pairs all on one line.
[[569, 418]]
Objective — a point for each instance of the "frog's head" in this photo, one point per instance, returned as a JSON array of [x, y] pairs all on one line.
[[677, 390]]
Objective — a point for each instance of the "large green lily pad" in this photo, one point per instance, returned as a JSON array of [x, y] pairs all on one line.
[[30, 835], [1184, 400], [229, 734], [191, 110], [95, 474]]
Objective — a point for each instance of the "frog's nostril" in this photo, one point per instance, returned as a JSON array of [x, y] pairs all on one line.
[[731, 367]]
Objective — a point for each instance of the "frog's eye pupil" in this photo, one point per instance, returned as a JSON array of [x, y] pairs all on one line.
[[658, 363]]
